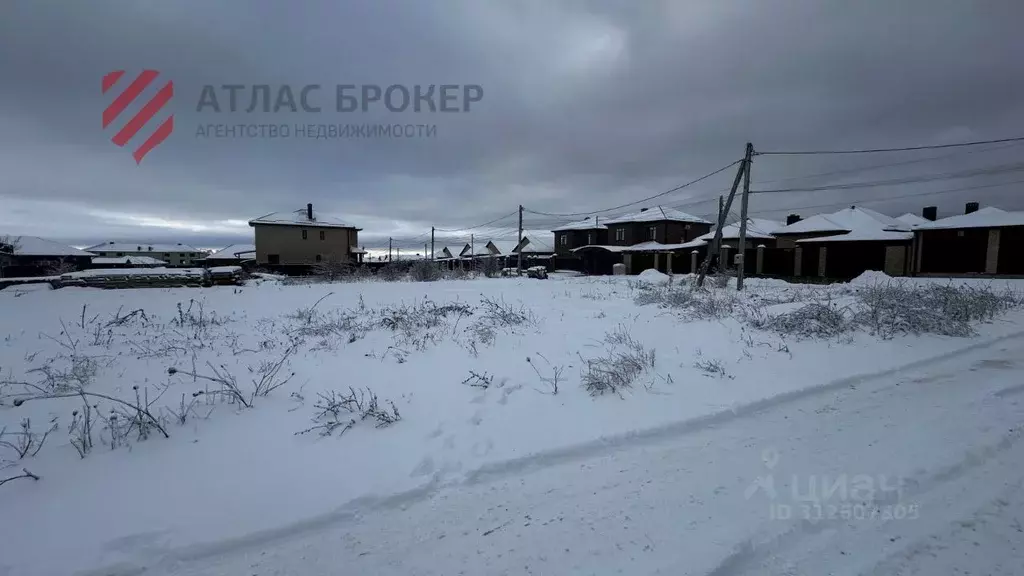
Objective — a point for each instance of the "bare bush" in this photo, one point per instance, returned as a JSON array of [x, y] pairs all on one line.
[[710, 366], [695, 303], [267, 378], [550, 382], [25, 442], [24, 474], [425, 271], [823, 319], [891, 308], [336, 410], [479, 380], [624, 362]]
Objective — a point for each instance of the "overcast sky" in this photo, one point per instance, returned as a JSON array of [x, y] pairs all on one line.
[[586, 105]]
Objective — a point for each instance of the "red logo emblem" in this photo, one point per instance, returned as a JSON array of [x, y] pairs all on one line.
[[155, 104]]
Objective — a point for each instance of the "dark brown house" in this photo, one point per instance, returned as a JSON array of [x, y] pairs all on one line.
[[586, 232], [658, 224], [988, 241]]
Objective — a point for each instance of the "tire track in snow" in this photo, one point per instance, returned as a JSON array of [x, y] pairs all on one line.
[[750, 556], [358, 507]]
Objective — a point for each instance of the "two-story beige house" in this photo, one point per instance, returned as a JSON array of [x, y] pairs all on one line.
[[169, 254], [304, 238]]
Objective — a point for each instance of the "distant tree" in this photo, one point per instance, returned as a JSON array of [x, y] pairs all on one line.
[[8, 246]]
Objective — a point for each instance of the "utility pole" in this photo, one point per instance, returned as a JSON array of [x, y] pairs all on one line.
[[743, 216], [520, 245], [431, 242], [389, 249], [472, 252], [425, 252], [721, 207], [721, 222]]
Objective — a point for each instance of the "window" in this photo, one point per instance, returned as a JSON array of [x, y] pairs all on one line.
[[563, 239], [273, 258], [322, 235], [620, 233], [303, 234], [590, 238], [318, 258], [652, 233]]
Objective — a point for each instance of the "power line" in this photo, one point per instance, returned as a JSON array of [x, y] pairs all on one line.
[[516, 213], [641, 201], [991, 170], [888, 198], [874, 150]]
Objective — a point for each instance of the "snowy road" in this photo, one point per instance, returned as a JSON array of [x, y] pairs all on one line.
[[731, 497]]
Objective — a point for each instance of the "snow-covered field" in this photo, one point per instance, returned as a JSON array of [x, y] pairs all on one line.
[[290, 408]]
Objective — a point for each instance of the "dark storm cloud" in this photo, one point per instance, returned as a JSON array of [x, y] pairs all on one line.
[[587, 105]]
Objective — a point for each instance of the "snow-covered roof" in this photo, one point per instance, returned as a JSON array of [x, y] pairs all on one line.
[[655, 247], [757, 229], [988, 217], [445, 252], [587, 223], [845, 220], [602, 247], [141, 247], [656, 214], [234, 252], [534, 245], [912, 219], [36, 246], [864, 235], [300, 218], [128, 260]]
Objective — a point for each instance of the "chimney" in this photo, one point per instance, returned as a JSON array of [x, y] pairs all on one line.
[[792, 219], [930, 213], [309, 212], [643, 209], [971, 207]]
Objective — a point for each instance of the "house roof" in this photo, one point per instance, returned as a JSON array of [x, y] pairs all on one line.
[[844, 220], [534, 245], [988, 217], [299, 218], [864, 235], [129, 260], [603, 247], [912, 219], [233, 252], [141, 247], [657, 214], [587, 223], [36, 246], [655, 247], [757, 229]]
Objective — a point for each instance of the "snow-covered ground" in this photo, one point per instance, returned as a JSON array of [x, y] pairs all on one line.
[[482, 413]]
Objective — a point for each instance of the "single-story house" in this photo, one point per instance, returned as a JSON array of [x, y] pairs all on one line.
[[234, 255], [846, 243], [30, 256], [981, 241]]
